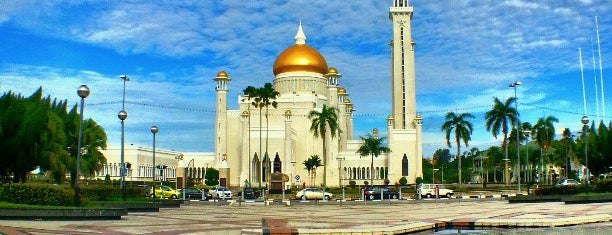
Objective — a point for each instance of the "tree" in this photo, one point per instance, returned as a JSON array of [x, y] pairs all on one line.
[[212, 177], [497, 120], [463, 132], [545, 132], [263, 97], [442, 157], [311, 165], [322, 123], [372, 146]]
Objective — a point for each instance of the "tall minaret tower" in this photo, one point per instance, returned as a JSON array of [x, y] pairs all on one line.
[[402, 66], [222, 81], [404, 125]]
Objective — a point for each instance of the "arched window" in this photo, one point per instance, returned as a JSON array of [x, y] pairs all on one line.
[[354, 173], [405, 165], [363, 173], [277, 164], [256, 168], [381, 173]]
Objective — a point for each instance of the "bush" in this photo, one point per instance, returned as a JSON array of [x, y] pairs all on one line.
[[419, 180], [560, 190], [37, 194], [403, 181], [602, 186], [365, 183], [107, 192], [352, 183]]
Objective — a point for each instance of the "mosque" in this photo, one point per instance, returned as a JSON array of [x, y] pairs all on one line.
[[305, 82]]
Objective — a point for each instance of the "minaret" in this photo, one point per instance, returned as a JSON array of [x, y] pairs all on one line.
[[404, 126], [222, 80], [402, 66]]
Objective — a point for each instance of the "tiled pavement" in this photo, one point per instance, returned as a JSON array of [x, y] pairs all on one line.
[[326, 218]]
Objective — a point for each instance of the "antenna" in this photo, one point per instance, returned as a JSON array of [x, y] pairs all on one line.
[[582, 73], [603, 98]]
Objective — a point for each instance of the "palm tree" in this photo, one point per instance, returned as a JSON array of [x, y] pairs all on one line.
[[322, 122], [268, 97], [251, 92], [545, 132], [311, 165], [497, 119], [263, 97], [372, 146], [463, 131]]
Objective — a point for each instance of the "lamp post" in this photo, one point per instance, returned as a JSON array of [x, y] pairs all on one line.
[[83, 92], [122, 116], [527, 133], [154, 131], [585, 121], [433, 172], [518, 144]]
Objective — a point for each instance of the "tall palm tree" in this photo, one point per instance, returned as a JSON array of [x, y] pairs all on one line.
[[372, 146], [321, 123], [311, 165], [263, 97], [268, 96], [463, 131], [497, 119], [253, 93], [250, 92], [545, 132]]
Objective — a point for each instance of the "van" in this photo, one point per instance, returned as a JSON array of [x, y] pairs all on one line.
[[429, 191]]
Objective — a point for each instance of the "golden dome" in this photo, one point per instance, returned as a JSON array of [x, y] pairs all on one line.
[[332, 71], [341, 91], [222, 75], [346, 100], [300, 57]]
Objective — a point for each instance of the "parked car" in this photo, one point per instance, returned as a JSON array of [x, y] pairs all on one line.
[[220, 192], [249, 193], [373, 192], [191, 193], [313, 193], [429, 190], [569, 182], [164, 192]]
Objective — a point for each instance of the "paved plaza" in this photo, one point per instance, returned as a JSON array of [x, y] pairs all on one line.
[[326, 218]]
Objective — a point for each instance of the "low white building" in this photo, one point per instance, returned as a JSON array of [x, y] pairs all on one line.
[[170, 164]]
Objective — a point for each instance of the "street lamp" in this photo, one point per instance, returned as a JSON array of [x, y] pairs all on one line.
[[528, 176], [122, 116], [83, 92], [154, 131], [585, 121], [433, 172], [518, 159]]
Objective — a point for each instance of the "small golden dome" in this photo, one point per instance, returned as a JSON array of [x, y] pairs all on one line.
[[222, 75], [332, 71], [346, 100], [418, 116], [300, 57], [288, 112], [341, 91]]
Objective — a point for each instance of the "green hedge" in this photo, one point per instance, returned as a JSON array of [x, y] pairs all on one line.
[[601, 186], [37, 194], [108, 192]]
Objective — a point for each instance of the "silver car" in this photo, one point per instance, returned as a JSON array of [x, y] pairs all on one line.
[[313, 193]]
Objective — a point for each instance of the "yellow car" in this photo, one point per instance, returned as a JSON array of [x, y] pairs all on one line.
[[164, 192]]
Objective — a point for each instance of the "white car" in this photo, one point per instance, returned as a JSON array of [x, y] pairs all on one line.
[[429, 191], [569, 182], [220, 192]]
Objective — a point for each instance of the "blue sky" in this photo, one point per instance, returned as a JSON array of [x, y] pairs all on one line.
[[467, 52]]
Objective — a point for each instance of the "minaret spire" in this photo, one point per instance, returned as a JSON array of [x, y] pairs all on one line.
[[300, 37]]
